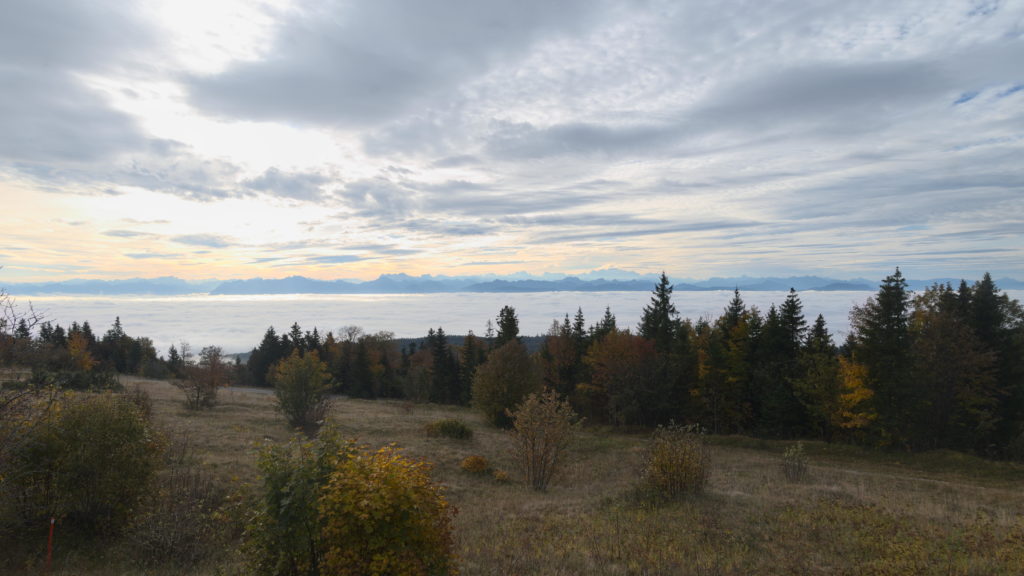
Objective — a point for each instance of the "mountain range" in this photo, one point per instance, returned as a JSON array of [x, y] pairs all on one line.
[[606, 280]]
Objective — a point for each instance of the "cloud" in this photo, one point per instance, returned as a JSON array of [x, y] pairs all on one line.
[[207, 240], [125, 233], [298, 186], [48, 113], [380, 197], [334, 259], [149, 255], [364, 63]]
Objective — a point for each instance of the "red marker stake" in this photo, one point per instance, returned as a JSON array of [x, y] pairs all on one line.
[[49, 546]]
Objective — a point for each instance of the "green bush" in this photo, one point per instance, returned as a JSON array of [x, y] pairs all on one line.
[[450, 428], [794, 463], [283, 536], [85, 459], [301, 385], [328, 507], [91, 380], [676, 462]]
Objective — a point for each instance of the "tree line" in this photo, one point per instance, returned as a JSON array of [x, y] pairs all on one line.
[[943, 368], [940, 369]]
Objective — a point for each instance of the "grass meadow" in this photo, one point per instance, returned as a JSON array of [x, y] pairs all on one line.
[[855, 511]]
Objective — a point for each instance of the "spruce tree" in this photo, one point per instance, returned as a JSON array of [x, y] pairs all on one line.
[[660, 317], [508, 326], [880, 338]]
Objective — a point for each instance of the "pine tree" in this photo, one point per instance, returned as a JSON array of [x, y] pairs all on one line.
[[792, 317], [268, 353], [445, 387], [880, 339], [471, 356], [660, 317], [508, 327], [817, 384], [604, 327]]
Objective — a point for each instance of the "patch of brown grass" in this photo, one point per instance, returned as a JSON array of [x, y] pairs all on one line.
[[858, 513]]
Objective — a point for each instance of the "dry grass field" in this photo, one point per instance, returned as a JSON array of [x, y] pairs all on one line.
[[856, 513]]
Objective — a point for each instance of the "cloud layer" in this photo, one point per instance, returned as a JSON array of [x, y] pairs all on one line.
[[351, 138]]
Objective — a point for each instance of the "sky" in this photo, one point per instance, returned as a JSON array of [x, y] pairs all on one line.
[[237, 139]]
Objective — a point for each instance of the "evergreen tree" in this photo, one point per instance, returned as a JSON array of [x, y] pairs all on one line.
[[774, 408], [735, 311], [659, 319], [471, 356], [954, 388], [508, 326], [269, 352], [817, 384], [604, 327], [792, 318], [445, 386], [880, 339], [998, 322]]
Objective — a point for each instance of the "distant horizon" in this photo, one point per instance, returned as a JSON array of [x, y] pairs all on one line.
[[611, 273], [595, 280]]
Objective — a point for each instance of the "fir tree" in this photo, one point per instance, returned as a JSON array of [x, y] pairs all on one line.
[[508, 326], [880, 337], [659, 319]]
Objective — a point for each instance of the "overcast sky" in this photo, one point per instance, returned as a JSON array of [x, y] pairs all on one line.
[[233, 139]]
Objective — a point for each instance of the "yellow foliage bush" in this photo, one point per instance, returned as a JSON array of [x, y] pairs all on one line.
[[381, 514], [475, 464]]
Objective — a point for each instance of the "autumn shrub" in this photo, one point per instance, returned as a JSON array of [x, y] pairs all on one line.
[[542, 428], [302, 386], [87, 460], [330, 507], [794, 463], [283, 536], [676, 462], [450, 428], [203, 378], [475, 464], [382, 514]]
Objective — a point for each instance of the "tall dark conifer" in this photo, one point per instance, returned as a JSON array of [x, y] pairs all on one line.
[[880, 335], [660, 317], [508, 326]]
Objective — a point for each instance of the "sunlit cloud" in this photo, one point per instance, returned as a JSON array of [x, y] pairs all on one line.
[[332, 140]]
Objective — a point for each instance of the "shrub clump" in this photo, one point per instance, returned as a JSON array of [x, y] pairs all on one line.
[[382, 514], [302, 385], [450, 428], [475, 464], [283, 536], [794, 463], [86, 460], [542, 428], [203, 377], [676, 462], [331, 507]]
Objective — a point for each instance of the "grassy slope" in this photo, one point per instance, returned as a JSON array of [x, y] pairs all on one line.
[[859, 513]]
